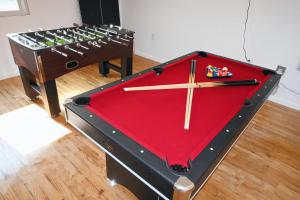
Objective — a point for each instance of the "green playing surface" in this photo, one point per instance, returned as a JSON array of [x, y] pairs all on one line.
[[59, 41]]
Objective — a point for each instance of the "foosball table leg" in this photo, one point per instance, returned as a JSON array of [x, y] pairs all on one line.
[[103, 68], [28, 79], [126, 67], [50, 97]]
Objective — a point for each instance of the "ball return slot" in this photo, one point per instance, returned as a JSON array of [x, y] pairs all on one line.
[[72, 64]]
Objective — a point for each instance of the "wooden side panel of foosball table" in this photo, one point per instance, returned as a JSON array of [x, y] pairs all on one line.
[[24, 57], [55, 65]]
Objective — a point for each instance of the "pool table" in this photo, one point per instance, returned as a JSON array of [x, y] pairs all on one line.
[[142, 132]]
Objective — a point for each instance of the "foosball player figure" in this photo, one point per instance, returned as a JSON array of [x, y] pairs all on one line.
[[214, 72]]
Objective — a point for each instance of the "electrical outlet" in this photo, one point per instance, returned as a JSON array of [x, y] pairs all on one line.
[[280, 69], [152, 37]]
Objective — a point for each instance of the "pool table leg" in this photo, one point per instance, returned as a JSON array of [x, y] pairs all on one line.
[[115, 172], [183, 188]]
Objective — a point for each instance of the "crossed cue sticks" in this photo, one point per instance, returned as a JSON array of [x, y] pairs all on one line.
[[191, 85]]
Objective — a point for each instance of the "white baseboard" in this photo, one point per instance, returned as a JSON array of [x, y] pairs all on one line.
[[146, 55], [9, 74], [285, 102]]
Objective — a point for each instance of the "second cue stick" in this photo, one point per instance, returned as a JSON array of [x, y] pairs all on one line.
[[190, 96], [194, 85]]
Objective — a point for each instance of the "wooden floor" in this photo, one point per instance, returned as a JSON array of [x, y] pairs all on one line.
[[263, 164]]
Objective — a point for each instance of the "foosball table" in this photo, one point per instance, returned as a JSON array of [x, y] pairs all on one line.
[[44, 55]]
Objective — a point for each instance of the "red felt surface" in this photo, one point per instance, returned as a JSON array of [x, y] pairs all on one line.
[[155, 119]]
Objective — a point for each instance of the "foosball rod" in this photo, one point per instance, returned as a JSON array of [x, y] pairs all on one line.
[[105, 33], [88, 37], [109, 38], [123, 39], [88, 32], [78, 44], [116, 41], [53, 49], [33, 40], [44, 37], [69, 35], [113, 31], [120, 28], [60, 37], [47, 38], [107, 30], [118, 36], [112, 26], [66, 46], [74, 50], [96, 31], [100, 33], [75, 32], [82, 46], [94, 43]]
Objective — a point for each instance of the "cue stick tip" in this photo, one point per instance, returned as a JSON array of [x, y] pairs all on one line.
[[186, 127]]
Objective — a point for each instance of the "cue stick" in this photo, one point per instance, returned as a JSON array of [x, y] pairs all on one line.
[[190, 96], [195, 85]]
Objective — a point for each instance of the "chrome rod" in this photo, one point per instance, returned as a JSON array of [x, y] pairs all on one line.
[[59, 52], [124, 39], [34, 40], [80, 45], [117, 35], [103, 33], [45, 37], [58, 36], [94, 44], [74, 50], [80, 34], [106, 30], [100, 41], [118, 42], [114, 32], [88, 32], [127, 36], [69, 35]]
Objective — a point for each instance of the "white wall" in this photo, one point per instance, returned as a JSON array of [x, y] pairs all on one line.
[[179, 27], [273, 35], [44, 14]]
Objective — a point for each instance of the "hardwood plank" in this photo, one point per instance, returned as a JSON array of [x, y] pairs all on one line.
[[264, 163]]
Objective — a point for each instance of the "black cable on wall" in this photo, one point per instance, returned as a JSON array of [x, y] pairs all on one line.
[[245, 30]]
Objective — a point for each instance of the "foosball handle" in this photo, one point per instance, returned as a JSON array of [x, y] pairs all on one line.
[[73, 50], [53, 49]]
